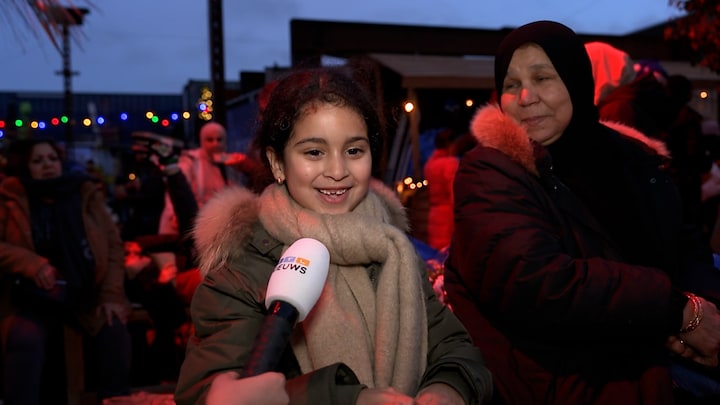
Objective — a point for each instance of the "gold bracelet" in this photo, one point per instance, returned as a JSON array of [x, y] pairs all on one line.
[[697, 310]]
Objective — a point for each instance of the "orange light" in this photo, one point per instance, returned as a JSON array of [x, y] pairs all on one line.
[[409, 106]]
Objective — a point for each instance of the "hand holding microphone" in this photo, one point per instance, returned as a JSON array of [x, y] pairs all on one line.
[[266, 388], [294, 287]]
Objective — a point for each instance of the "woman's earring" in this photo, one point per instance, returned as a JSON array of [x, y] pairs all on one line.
[[280, 181]]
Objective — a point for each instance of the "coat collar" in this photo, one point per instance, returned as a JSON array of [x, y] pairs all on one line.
[[493, 129]]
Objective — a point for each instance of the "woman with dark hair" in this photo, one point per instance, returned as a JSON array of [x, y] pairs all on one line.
[[378, 334], [61, 263], [547, 269]]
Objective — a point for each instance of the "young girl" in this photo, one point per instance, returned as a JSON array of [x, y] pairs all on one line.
[[377, 334]]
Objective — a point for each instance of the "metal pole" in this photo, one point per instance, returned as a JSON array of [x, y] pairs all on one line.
[[414, 129], [217, 61], [67, 17], [67, 74]]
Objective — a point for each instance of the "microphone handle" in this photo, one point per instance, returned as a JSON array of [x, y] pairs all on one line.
[[272, 339]]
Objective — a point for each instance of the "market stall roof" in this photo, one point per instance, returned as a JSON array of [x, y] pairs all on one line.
[[440, 72], [476, 72]]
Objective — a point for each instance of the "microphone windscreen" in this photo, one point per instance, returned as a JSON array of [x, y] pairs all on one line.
[[299, 276]]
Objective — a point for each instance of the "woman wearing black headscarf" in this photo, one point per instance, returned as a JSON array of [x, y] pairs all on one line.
[[535, 274]]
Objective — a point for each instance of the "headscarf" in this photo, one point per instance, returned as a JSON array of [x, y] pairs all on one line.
[[580, 155], [567, 53], [584, 136], [612, 68]]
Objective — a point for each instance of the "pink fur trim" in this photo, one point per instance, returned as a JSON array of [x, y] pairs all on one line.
[[655, 144], [493, 129]]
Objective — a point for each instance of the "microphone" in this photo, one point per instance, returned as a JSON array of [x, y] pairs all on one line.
[[294, 288]]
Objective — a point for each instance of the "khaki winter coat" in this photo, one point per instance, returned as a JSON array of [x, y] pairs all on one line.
[[228, 310]]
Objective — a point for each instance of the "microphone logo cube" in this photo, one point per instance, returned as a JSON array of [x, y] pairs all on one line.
[[297, 263]]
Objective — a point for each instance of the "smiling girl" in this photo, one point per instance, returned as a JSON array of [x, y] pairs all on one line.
[[378, 334]]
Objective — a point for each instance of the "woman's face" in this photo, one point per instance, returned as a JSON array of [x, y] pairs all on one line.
[[44, 162], [327, 163], [534, 95]]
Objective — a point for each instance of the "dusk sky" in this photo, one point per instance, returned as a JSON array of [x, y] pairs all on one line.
[[137, 46]]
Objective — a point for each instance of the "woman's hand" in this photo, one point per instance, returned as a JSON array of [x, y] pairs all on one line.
[[438, 394], [705, 339], [111, 309], [682, 349], [383, 396], [267, 388], [45, 277]]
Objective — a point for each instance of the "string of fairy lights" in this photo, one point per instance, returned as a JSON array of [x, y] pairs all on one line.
[[204, 107], [89, 121]]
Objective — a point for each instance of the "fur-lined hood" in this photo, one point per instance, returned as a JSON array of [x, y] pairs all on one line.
[[225, 224], [493, 129]]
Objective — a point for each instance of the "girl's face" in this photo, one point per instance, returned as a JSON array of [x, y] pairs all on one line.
[[535, 96], [44, 162], [327, 163]]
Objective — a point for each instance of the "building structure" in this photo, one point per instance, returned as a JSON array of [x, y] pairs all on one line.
[[427, 65], [424, 65]]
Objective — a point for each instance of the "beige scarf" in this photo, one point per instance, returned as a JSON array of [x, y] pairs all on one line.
[[379, 332]]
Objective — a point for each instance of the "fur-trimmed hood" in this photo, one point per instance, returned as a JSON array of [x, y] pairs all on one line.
[[493, 129], [225, 224]]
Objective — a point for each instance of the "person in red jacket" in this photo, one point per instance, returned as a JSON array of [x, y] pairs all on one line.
[[439, 171]]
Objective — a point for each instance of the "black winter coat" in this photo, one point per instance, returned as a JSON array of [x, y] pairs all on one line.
[[558, 316]]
